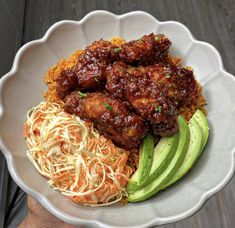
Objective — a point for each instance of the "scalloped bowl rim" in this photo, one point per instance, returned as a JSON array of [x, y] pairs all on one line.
[[43, 199]]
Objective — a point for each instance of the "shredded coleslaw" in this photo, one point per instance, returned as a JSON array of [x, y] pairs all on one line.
[[78, 162]]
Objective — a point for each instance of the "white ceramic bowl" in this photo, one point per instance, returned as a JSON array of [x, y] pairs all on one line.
[[23, 87]]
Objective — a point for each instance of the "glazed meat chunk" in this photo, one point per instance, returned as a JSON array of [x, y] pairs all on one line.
[[181, 86], [110, 116], [89, 72], [145, 50], [180, 83], [146, 97]]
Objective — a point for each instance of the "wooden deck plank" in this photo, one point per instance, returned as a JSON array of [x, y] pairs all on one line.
[[212, 21]]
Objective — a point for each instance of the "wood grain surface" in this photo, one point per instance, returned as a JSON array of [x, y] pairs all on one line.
[[12, 203], [212, 21]]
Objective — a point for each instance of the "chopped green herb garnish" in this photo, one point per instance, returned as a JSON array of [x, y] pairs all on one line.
[[156, 38], [96, 79], [108, 107], [116, 50], [82, 95], [158, 109], [168, 75]]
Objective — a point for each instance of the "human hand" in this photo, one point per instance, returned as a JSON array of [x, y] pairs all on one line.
[[38, 217]]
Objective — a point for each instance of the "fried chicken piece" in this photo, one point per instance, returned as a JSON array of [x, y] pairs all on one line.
[[66, 83], [180, 83], [145, 50], [146, 97], [89, 72], [110, 116], [181, 86]]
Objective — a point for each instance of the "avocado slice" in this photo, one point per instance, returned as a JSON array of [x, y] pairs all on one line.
[[146, 158], [145, 164], [200, 117], [163, 153], [170, 170], [199, 132], [194, 148]]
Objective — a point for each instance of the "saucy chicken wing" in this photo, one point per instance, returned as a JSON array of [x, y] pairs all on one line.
[[146, 97], [89, 72], [180, 83], [181, 86], [110, 116], [145, 50]]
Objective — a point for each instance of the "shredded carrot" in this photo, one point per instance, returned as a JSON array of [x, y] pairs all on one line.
[[78, 162]]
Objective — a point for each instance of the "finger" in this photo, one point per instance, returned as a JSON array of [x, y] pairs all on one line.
[[40, 216], [38, 211]]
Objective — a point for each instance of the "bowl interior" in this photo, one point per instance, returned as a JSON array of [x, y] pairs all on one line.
[[24, 88]]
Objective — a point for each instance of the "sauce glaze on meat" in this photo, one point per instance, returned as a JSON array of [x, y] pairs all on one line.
[[110, 116], [147, 98], [129, 89], [89, 72]]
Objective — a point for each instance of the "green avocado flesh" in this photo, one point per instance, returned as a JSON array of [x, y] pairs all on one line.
[[158, 183], [146, 158], [194, 148], [202, 120], [145, 164], [199, 132], [163, 153]]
